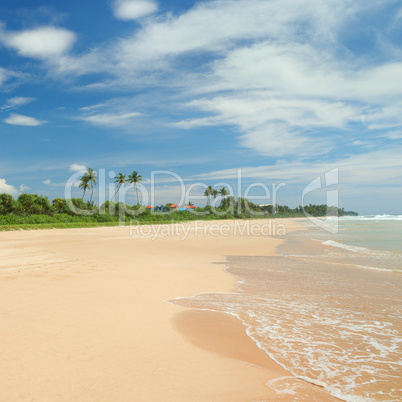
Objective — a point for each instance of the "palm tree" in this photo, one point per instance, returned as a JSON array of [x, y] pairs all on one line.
[[208, 193], [135, 179], [223, 192], [120, 179], [92, 176], [214, 193], [84, 184]]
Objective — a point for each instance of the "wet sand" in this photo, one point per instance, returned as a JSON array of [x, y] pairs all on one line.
[[84, 317]]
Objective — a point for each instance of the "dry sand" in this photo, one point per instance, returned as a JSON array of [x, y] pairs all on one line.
[[84, 318]]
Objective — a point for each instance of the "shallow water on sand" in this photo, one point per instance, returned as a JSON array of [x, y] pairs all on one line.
[[319, 314]]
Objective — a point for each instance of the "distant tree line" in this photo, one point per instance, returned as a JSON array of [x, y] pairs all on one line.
[[36, 209]]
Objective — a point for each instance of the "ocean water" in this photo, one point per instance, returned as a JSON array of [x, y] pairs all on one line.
[[328, 308], [376, 232]]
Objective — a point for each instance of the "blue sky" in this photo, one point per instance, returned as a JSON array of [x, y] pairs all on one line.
[[286, 90]]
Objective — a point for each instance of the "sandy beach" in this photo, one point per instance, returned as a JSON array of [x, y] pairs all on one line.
[[85, 317]]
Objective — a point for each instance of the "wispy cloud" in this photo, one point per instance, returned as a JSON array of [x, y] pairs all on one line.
[[16, 102], [21, 120], [93, 107], [211, 27], [3, 75], [8, 76], [375, 168], [277, 95], [109, 119], [393, 135], [274, 125], [285, 80]]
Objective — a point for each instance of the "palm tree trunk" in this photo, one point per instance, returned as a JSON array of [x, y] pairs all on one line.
[[136, 190], [118, 188]]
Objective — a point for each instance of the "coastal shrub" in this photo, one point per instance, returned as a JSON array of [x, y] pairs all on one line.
[[106, 218], [66, 218], [12, 219], [79, 207], [108, 207], [123, 209], [36, 219], [8, 219], [32, 209], [6, 204], [60, 206], [32, 204]]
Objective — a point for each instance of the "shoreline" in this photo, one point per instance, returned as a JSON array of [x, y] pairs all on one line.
[[210, 330], [197, 325], [88, 314]]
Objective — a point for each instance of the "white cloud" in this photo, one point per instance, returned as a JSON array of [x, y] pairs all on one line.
[[24, 188], [7, 75], [93, 107], [394, 135], [47, 181], [16, 102], [75, 167], [298, 86], [133, 9], [212, 26], [109, 119], [274, 126], [298, 69], [297, 47], [21, 120], [3, 76], [42, 42], [376, 169], [286, 79], [278, 140], [292, 73], [7, 188], [387, 116]]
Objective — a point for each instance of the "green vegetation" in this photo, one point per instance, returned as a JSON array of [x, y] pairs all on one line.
[[88, 181], [120, 179], [31, 211], [208, 193]]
